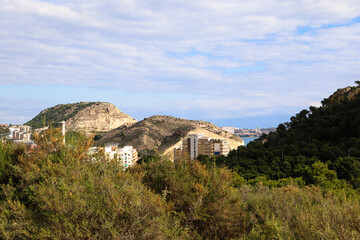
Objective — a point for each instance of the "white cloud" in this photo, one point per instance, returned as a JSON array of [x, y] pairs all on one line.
[[229, 51]]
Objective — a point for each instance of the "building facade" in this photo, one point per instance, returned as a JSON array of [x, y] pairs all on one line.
[[229, 129], [197, 144], [21, 133], [127, 155]]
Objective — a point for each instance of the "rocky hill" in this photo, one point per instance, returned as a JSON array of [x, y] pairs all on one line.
[[163, 133], [327, 134], [342, 94], [83, 116]]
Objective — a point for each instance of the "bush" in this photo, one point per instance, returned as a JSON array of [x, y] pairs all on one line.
[[62, 195], [204, 199], [56, 192]]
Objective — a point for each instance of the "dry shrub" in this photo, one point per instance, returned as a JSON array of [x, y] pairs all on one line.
[[300, 213], [204, 199], [61, 195]]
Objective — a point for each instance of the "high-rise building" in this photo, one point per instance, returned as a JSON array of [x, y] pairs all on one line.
[[197, 144], [190, 144]]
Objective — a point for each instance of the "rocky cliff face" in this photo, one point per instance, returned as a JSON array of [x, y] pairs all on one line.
[[347, 93], [98, 117], [83, 116], [163, 133]]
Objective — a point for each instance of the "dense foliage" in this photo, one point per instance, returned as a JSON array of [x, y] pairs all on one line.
[[328, 134], [4, 130], [57, 192]]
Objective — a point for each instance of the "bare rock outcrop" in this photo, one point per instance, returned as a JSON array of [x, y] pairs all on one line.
[[342, 94], [98, 117], [83, 116]]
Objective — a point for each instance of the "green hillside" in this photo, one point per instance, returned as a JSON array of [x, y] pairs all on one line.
[[329, 134], [58, 113]]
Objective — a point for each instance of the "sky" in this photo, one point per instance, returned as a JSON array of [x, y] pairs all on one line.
[[230, 62]]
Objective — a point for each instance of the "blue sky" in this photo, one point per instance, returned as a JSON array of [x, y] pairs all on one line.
[[230, 62]]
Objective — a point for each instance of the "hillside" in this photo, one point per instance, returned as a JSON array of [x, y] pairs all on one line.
[[329, 134], [163, 133], [342, 94], [83, 116], [56, 192]]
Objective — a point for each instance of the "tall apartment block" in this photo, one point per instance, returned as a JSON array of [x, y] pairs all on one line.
[[197, 144]]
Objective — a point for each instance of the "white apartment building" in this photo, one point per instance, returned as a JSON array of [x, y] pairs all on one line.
[[229, 129], [127, 155], [12, 130], [21, 133]]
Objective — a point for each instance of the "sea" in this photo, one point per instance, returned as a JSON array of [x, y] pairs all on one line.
[[248, 139]]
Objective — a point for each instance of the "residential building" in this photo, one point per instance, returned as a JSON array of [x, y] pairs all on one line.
[[26, 137], [110, 150], [20, 133], [12, 130], [127, 155], [197, 144], [25, 129], [229, 129]]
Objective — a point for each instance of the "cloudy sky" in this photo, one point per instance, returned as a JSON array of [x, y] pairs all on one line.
[[231, 62]]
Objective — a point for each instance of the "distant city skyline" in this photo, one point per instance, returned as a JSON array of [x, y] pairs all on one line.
[[232, 63]]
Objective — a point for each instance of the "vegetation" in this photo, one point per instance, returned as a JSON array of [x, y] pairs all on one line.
[[300, 182], [4, 130], [57, 192], [54, 115], [326, 137]]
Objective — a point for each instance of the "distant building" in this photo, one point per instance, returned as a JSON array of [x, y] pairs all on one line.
[[254, 133], [111, 150], [197, 144], [229, 129], [25, 129], [12, 130], [127, 155], [20, 133], [39, 130], [16, 135], [26, 137]]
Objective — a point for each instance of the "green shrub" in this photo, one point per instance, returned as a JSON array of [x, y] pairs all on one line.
[[204, 199], [60, 194]]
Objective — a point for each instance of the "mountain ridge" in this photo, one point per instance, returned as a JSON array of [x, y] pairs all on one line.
[[162, 133]]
